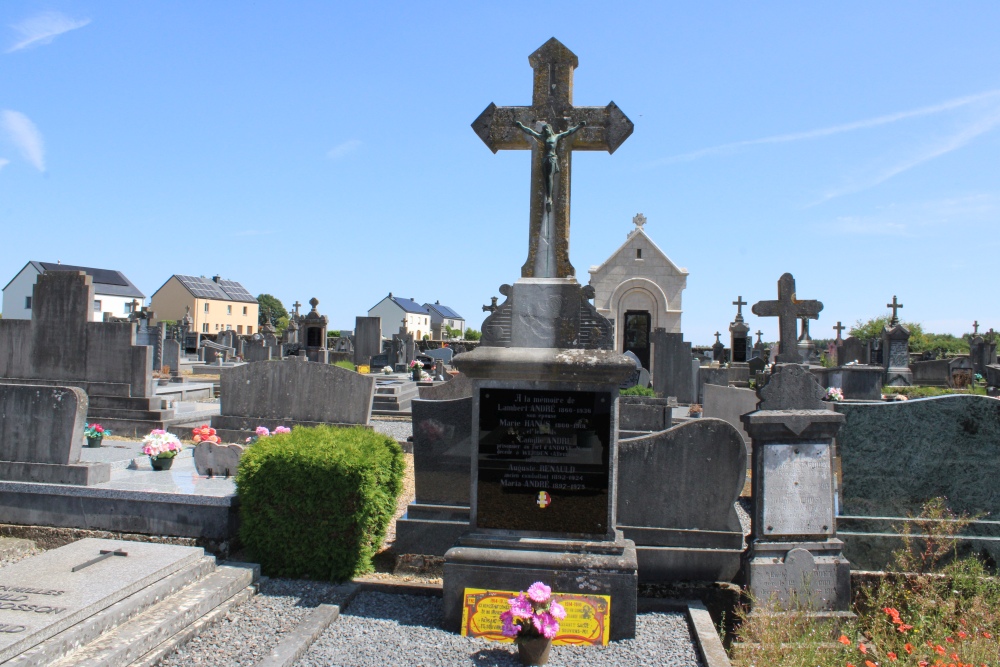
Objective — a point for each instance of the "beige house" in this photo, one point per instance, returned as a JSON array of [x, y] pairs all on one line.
[[640, 288], [214, 304]]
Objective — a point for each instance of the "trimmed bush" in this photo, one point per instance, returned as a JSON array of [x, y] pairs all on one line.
[[346, 364], [637, 391], [315, 503]]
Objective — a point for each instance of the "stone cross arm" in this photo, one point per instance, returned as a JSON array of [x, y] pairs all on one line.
[[605, 130]]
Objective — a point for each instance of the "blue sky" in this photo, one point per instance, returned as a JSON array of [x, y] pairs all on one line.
[[324, 149]]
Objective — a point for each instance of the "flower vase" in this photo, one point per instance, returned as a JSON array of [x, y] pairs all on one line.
[[94, 442], [162, 463], [416, 373], [533, 650]]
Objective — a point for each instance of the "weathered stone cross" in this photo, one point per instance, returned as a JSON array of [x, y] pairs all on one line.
[[760, 334], [739, 303], [493, 307], [975, 328], [297, 305], [839, 328], [788, 309], [718, 338], [598, 129], [895, 307]]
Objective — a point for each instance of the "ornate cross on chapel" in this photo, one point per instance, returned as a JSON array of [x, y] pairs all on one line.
[[788, 309], [552, 128], [895, 307]]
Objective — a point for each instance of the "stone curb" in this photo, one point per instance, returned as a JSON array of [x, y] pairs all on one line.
[[703, 632], [298, 641]]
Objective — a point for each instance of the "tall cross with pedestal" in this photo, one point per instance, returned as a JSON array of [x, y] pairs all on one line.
[[545, 127], [760, 334], [297, 305], [718, 338], [975, 328], [839, 328], [739, 303], [788, 309], [895, 305]]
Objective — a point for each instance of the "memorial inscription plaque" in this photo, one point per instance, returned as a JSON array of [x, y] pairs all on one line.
[[543, 462], [798, 491]]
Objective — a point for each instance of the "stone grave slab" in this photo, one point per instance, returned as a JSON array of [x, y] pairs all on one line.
[[43, 595]]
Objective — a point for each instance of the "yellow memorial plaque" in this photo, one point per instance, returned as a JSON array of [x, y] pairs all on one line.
[[586, 622], [364, 369]]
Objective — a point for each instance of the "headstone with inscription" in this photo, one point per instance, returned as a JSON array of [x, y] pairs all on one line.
[[739, 334], [795, 556], [545, 381], [896, 350]]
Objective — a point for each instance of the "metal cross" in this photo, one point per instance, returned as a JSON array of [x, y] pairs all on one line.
[[493, 307], [605, 128], [787, 309], [975, 327], [739, 303], [105, 554], [718, 338], [839, 328], [895, 307], [759, 334]]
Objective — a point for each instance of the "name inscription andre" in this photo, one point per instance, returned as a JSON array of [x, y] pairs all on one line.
[[18, 598]]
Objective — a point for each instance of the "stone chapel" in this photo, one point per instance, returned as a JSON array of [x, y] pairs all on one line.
[[639, 289]]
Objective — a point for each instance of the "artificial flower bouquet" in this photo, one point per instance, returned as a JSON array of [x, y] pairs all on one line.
[[532, 614], [95, 431], [205, 433], [161, 445]]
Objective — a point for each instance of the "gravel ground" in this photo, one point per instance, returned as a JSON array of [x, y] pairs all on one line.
[[395, 428], [379, 629], [248, 632]]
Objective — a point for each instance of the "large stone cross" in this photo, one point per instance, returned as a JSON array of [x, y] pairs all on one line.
[[788, 309], [739, 303], [975, 328], [598, 129], [839, 329], [895, 307]]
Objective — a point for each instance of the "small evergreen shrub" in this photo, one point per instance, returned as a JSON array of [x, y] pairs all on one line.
[[316, 502], [345, 364], [637, 391]]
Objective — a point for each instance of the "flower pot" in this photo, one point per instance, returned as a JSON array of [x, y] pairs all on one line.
[[162, 464], [416, 373], [94, 442], [533, 650]]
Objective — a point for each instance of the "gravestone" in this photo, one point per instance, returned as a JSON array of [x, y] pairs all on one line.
[[853, 350], [380, 361], [718, 349], [289, 393], [257, 350], [730, 404], [60, 346], [672, 375], [739, 334], [897, 456], [41, 432], [545, 385], [795, 556], [896, 350], [367, 339], [633, 378], [312, 332], [445, 354]]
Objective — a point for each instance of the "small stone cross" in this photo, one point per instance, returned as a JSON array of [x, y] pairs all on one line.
[[297, 305], [839, 328], [975, 327], [739, 303], [639, 220], [493, 307], [599, 129], [895, 305], [759, 335], [718, 338], [788, 309], [105, 553]]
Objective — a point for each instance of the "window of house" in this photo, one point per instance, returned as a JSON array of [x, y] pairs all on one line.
[[249, 330], [27, 302], [97, 305], [206, 307], [216, 327], [638, 253], [244, 310], [229, 310], [204, 327], [229, 327], [239, 328]]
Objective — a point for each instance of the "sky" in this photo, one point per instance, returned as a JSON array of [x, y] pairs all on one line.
[[324, 149]]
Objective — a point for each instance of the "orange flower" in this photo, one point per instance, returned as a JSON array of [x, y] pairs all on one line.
[[850, 665], [962, 634], [869, 663], [908, 647], [923, 663], [844, 640], [953, 656], [863, 649], [903, 627], [891, 656], [987, 635], [940, 649], [949, 640]]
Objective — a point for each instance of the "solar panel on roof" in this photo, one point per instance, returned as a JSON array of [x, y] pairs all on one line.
[[236, 291], [101, 276]]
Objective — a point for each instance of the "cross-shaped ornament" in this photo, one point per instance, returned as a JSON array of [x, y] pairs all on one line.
[[788, 309], [895, 305], [839, 328], [739, 303], [639, 220], [105, 554], [759, 335], [552, 128], [297, 305], [493, 307], [975, 328], [718, 338]]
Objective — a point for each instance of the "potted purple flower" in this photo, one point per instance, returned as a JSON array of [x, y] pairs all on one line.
[[533, 621]]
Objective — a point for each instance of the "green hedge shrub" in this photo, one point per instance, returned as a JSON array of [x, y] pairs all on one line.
[[637, 391], [346, 364], [315, 503]]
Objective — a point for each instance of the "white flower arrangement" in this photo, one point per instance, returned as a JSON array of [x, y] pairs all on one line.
[[161, 445], [835, 394], [386, 370]]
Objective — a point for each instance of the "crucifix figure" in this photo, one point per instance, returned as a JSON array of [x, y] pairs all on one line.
[[739, 303], [788, 309], [839, 328], [895, 307], [595, 128]]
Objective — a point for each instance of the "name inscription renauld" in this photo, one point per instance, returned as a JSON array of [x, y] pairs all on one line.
[[544, 460], [19, 598]]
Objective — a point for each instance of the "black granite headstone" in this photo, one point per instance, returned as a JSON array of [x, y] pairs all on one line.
[[544, 461], [380, 361]]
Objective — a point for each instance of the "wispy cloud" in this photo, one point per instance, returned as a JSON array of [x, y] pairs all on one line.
[[43, 28], [835, 129], [935, 149], [343, 149], [922, 218], [3, 162], [25, 136]]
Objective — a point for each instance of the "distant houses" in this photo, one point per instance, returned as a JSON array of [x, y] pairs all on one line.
[[114, 294], [214, 304], [419, 320]]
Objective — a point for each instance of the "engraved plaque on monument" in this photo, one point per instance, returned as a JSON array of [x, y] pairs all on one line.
[[543, 462], [798, 489]]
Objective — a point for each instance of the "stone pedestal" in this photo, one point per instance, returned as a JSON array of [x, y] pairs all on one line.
[[544, 454], [794, 558]]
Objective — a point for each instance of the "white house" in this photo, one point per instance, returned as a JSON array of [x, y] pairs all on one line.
[[113, 292], [640, 288], [445, 316], [395, 311]]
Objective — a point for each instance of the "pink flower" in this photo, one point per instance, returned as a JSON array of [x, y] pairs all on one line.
[[262, 432], [520, 606], [282, 429], [508, 629], [557, 610], [157, 431], [539, 592], [545, 624]]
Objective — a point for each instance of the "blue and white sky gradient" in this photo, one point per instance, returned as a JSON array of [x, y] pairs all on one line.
[[324, 149]]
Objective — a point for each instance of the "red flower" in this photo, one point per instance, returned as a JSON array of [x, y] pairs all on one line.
[[844, 640], [953, 656], [863, 649], [962, 634], [949, 640], [869, 663], [987, 635], [891, 656], [904, 627], [940, 649], [923, 663], [908, 647], [98, 428]]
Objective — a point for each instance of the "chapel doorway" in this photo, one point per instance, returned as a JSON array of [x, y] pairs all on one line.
[[636, 335]]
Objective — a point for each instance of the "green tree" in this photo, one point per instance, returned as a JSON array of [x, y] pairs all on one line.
[[872, 329], [472, 334], [271, 310]]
